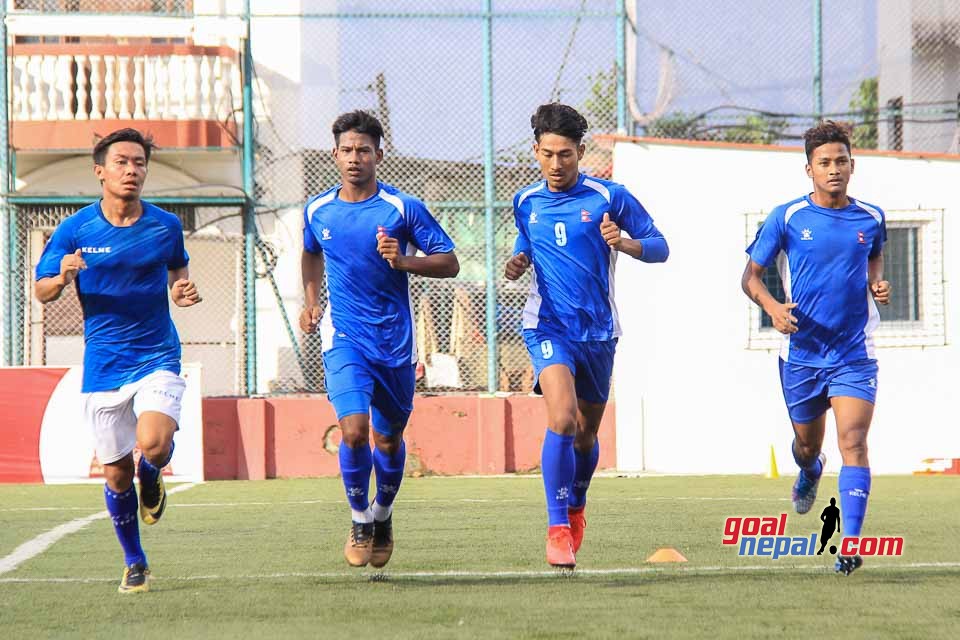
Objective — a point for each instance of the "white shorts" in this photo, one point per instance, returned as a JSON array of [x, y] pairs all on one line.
[[113, 414]]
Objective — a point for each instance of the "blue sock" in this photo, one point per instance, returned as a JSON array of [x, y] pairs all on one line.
[[355, 467], [557, 463], [148, 472], [854, 485], [123, 509], [586, 464], [813, 468], [389, 471]]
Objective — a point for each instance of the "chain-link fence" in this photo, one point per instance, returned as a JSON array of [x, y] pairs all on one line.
[[763, 72], [454, 83], [52, 333]]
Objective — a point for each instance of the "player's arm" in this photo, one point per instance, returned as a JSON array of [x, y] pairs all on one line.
[[49, 288], [311, 271], [435, 265], [519, 262], [183, 291], [879, 287], [425, 233], [645, 243], [752, 284]]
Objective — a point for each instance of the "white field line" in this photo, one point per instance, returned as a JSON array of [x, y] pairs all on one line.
[[35, 546], [534, 574], [420, 501]]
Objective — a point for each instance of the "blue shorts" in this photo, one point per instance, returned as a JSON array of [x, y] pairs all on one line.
[[357, 385], [807, 390], [591, 363]]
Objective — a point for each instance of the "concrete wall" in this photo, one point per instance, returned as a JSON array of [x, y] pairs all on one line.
[[696, 381], [256, 438]]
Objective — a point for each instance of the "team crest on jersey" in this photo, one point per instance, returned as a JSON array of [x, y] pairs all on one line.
[[325, 234], [806, 234], [584, 215], [860, 238], [533, 217]]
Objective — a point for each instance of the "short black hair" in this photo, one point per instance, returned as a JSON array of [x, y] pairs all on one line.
[[824, 133], [359, 121], [122, 135], [560, 119]]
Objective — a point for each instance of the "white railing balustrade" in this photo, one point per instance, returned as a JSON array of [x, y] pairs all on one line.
[[157, 82]]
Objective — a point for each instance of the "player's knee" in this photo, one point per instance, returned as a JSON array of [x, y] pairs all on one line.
[[565, 424], [155, 447], [585, 440], [853, 448], [806, 452], [388, 446], [119, 475]]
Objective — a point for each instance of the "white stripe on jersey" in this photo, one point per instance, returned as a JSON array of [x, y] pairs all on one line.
[[610, 294], [411, 251], [792, 210], [783, 267], [873, 321], [599, 188], [326, 330], [523, 196], [531, 311], [394, 200], [319, 202], [873, 212]]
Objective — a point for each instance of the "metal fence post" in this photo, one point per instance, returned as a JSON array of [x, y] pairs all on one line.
[[488, 195], [621, 67], [9, 229], [249, 219], [817, 61]]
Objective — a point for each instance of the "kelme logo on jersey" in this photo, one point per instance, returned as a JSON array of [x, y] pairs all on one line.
[[325, 234], [533, 217], [95, 249], [806, 234]]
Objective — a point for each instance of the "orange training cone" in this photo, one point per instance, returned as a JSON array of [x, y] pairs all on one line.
[[666, 554], [772, 472]]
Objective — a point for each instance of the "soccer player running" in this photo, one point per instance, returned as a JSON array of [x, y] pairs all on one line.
[[365, 235], [122, 254], [828, 250], [570, 231]]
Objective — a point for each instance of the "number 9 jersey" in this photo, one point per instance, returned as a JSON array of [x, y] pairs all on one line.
[[572, 284]]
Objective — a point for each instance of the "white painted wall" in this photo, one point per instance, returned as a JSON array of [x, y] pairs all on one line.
[[691, 397]]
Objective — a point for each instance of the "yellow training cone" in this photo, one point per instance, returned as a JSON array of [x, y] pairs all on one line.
[[772, 471], [667, 554]]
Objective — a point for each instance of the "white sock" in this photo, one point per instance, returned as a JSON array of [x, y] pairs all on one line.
[[364, 516], [380, 512]]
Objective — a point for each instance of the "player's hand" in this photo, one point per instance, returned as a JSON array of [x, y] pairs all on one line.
[[389, 248], [610, 232], [516, 266], [70, 265], [881, 291], [783, 320], [310, 318], [184, 293]]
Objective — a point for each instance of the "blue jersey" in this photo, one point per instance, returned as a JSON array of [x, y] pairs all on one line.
[[822, 257], [571, 288], [369, 302], [127, 328]]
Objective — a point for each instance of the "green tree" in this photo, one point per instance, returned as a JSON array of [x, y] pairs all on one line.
[[865, 105], [757, 128], [600, 108], [677, 125]]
